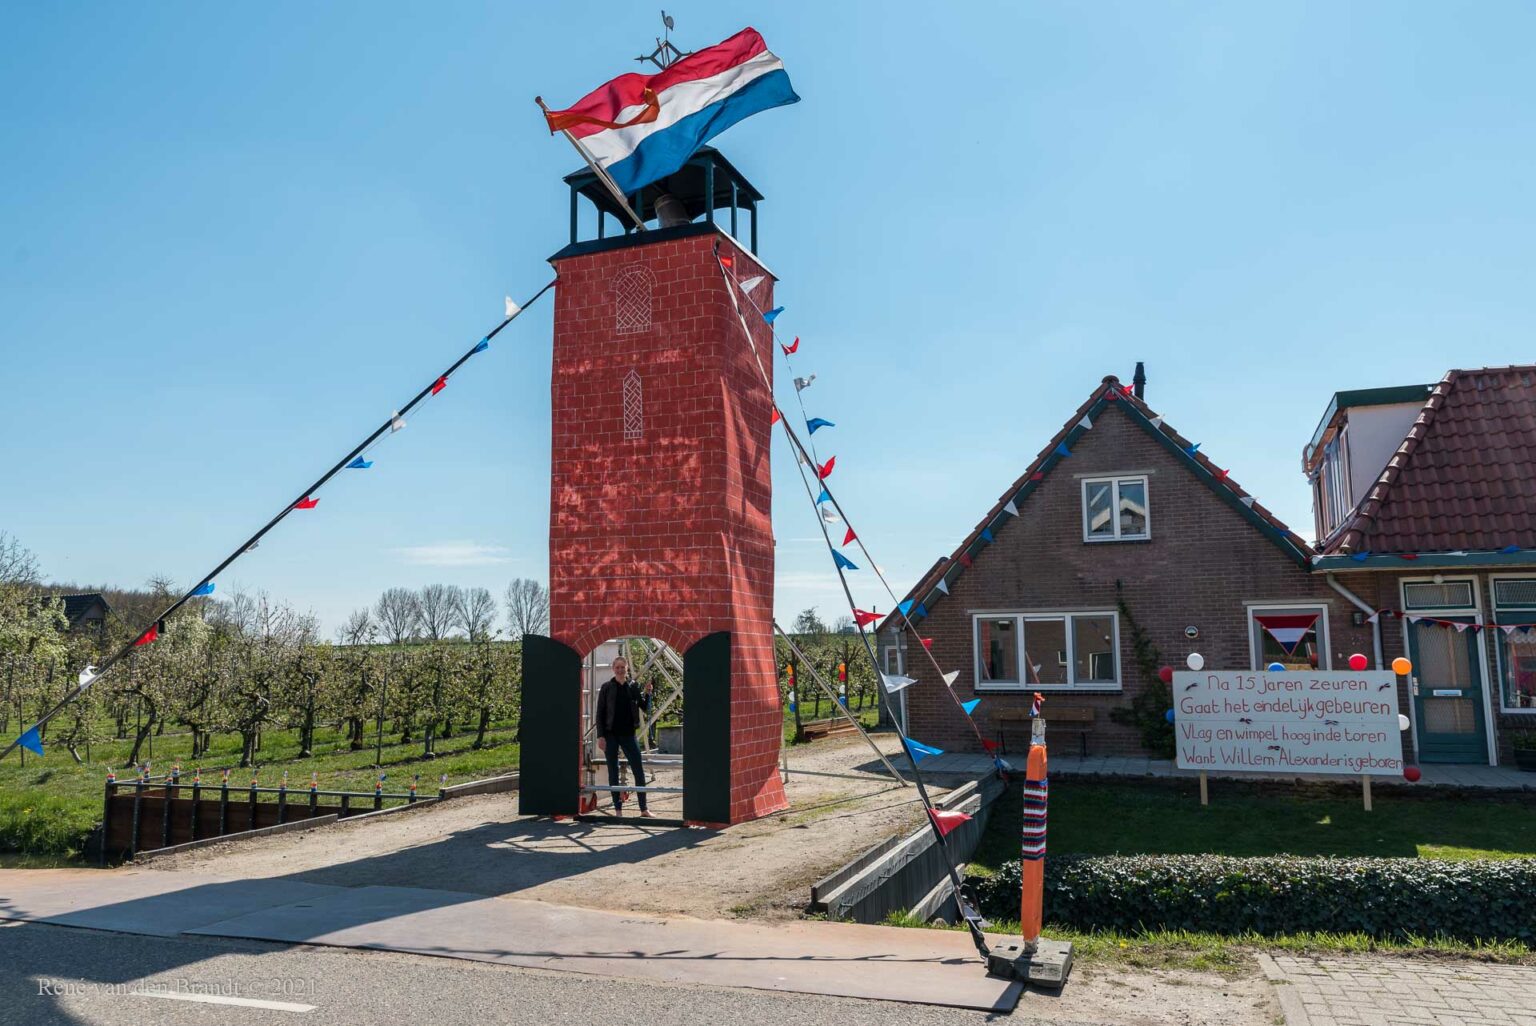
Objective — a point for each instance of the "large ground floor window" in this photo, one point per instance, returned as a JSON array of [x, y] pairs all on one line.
[[1514, 608], [1029, 651]]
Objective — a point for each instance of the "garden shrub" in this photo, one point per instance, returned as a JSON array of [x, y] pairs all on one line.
[[1381, 897]]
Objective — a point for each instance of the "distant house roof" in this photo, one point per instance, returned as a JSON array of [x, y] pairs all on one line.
[[933, 585], [1464, 477], [77, 606]]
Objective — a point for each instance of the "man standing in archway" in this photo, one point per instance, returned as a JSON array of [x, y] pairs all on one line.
[[619, 702]]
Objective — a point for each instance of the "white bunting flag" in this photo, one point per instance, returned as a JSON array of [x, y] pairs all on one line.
[[951, 677], [751, 283], [396, 422], [1085, 423], [1460, 627], [1508, 628], [1413, 619], [1247, 500], [1157, 422], [512, 308], [895, 682], [829, 515], [88, 676], [801, 384], [943, 585], [1011, 509]]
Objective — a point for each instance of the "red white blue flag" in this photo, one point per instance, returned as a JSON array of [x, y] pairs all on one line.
[[640, 128]]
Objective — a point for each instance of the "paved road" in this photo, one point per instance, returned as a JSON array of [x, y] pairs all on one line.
[[91, 977]]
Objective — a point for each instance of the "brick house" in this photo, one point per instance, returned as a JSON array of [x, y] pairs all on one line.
[[1425, 504]]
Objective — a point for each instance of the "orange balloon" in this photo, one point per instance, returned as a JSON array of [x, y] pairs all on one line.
[[1401, 666]]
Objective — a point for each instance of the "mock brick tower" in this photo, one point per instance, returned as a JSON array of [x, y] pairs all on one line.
[[660, 501]]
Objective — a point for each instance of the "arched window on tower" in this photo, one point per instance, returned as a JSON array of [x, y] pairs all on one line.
[[632, 289], [634, 406]]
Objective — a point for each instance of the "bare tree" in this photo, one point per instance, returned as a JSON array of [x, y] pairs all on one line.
[[436, 603], [474, 611], [398, 614], [527, 607], [17, 564], [359, 629]]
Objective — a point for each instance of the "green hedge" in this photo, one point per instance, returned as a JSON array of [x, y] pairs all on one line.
[[1385, 898]]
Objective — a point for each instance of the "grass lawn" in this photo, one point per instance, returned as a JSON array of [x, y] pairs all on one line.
[[1107, 818], [49, 806], [867, 716]]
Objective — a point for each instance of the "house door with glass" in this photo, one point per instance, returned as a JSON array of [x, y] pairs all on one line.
[[1447, 691]]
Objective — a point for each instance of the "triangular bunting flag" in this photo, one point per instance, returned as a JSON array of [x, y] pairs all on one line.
[[986, 534], [1359, 557], [970, 706], [1508, 629], [850, 536], [511, 307], [1011, 509], [1288, 630], [439, 385], [928, 643], [951, 677], [752, 283], [396, 422], [482, 345], [1156, 422], [1460, 627], [360, 464], [148, 636], [792, 348], [829, 516], [1474, 627], [825, 496], [843, 562], [306, 503], [944, 820], [919, 751], [206, 588], [863, 619], [1062, 450], [965, 560], [726, 261], [990, 746], [774, 419], [1039, 475], [1510, 549], [895, 682], [816, 424], [88, 676], [943, 586], [1191, 450], [1111, 396], [801, 384], [922, 610], [905, 605], [32, 741], [1410, 556], [1085, 423], [1247, 500], [826, 468], [772, 315]]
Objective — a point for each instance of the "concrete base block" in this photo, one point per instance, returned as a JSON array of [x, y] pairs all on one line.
[[1046, 966]]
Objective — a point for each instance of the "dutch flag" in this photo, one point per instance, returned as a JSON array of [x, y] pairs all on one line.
[[640, 128]]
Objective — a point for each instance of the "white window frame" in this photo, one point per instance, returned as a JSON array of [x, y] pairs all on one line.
[[1324, 641], [1114, 481], [1021, 619], [1498, 648]]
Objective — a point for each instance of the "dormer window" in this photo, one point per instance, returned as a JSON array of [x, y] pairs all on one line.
[[1115, 509]]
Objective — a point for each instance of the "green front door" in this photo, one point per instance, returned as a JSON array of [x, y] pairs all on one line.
[[1448, 693]]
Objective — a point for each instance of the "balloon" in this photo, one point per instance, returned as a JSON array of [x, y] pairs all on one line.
[[1411, 774], [1275, 667], [1195, 661], [1168, 715], [1165, 675], [1358, 662], [1402, 722], [1401, 666]]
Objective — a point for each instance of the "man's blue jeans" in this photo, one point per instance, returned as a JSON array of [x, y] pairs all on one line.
[[611, 744]]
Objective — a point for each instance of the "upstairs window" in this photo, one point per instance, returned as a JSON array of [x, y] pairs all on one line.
[[1115, 509]]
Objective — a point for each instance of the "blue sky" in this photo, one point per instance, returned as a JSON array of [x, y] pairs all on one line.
[[232, 238]]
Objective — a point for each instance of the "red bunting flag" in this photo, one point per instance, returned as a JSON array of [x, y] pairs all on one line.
[[775, 418], [990, 746], [150, 635], [727, 261], [306, 503], [965, 559], [1111, 395], [1037, 476], [863, 619], [792, 347], [1128, 390], [944, 820], [850, 536], [826, 469], [439, 385], [927, 642], [1407, 555]]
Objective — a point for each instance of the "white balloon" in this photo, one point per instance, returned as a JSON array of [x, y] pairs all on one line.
[[1402, 722], [1196, 661]]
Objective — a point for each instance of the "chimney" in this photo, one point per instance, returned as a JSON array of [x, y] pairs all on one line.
[[1139, 380]]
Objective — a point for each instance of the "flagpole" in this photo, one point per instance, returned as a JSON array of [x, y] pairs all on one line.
[[602, 175]]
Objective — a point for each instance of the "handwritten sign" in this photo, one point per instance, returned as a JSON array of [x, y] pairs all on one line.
[[1298, 721]]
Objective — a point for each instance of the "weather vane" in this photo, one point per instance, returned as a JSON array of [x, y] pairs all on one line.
[[665, 53]]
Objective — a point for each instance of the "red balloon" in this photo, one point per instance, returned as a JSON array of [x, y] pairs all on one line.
[[1411, 774], [1358, 662], [1165, 675]]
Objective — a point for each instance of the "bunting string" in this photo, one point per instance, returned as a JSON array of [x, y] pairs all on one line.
[[305, 500]]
